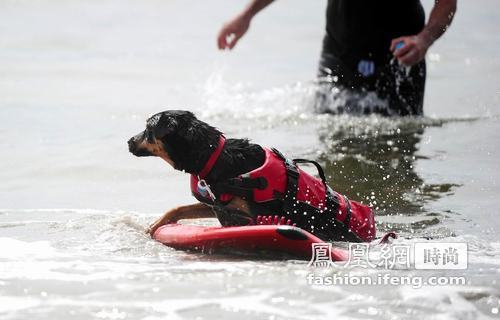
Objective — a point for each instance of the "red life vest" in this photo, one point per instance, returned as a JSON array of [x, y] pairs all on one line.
[[307, 200]]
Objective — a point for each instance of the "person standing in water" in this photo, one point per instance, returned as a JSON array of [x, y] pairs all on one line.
[[369, 47]]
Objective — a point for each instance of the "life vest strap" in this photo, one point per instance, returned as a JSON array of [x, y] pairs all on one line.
[[332, 202], [242, 186], [292, 184], [348, 211]]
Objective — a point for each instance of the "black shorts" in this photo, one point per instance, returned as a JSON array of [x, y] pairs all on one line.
[[391, 89]]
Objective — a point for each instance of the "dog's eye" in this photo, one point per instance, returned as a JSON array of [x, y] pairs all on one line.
[[149, 136]]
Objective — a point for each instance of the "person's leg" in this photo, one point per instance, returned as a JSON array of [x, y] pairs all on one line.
[[341, 89], [331, 66], [332, 79], [338, 87], [403, 87]]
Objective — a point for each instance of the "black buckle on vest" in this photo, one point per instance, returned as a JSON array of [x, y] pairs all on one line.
[[332, 202], [242, 186], [250, 183]]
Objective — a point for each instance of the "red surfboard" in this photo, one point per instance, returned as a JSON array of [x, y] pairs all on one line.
[[282, 239]]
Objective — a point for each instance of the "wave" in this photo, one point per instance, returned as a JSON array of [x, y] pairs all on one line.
[[292, 102]]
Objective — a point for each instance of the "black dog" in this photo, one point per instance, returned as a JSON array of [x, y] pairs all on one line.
[[238, 182]]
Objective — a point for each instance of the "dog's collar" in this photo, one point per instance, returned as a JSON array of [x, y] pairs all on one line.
[[213, 158]]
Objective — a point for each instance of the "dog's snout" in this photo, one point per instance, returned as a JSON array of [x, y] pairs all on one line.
[[131, 145], [138, 147]]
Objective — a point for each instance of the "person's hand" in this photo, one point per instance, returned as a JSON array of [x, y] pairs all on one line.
[[413, 51], [232, 31]]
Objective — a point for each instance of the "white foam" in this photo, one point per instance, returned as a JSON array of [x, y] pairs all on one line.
[[9, 304], [13, 249]]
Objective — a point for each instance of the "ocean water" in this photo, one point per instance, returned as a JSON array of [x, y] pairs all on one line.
[[78, 78]]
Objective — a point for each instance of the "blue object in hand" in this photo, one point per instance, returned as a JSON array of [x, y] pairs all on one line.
[[399, 45], [366, 67]]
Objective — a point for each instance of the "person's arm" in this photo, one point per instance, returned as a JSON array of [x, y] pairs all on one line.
[[416, 46], [235, 28]]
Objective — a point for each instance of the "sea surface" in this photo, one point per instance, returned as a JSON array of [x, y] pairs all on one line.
[[78, 78]]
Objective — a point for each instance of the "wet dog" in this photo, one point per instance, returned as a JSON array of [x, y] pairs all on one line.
[[241, 183]]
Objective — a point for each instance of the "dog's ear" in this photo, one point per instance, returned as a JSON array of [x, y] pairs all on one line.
[[161, 124], [167, 122]]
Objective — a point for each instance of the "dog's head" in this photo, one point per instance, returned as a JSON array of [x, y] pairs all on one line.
[[177, 137]]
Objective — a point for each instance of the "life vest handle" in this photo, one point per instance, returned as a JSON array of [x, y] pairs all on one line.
[[318, 167]]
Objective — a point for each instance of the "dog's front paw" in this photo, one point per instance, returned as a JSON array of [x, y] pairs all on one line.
[[153, 227]]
